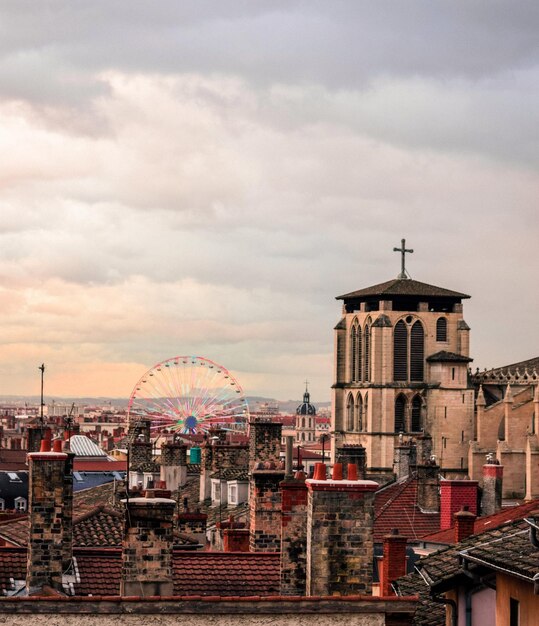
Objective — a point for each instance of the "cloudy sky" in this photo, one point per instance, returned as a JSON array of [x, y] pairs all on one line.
[[204, 177]]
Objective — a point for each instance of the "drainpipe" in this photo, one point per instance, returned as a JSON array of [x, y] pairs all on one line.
[[452, 604]]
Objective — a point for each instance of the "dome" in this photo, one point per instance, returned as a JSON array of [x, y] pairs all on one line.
[[306, 408]]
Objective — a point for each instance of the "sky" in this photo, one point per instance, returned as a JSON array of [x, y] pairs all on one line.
[[204, 177]]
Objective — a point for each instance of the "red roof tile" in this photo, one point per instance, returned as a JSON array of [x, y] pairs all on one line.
[[395, 506], [489, 522]]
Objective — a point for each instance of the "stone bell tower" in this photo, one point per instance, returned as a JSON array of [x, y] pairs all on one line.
[[401, 370]]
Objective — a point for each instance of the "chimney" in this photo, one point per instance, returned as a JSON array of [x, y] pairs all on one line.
[[464, 524], [427, 487], [403, 459], [50, 512], [423, 449], [147, 547], [235, 535], [454, 494], [193, 523], [174, 465], [339, 533], [34, 435], [293, 535], [393, 562], [264, 441], [491, 500], [350, 454], [265, 507]]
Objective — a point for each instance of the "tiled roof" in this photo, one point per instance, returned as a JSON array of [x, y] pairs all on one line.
[[231, 473], [489, 522], [451, 357], [13, 460], [428, 613], [530, 365], [195, 574], [403, 287], [512, 552], [395, 506]]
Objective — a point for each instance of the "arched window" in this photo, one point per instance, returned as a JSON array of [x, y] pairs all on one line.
[[302, 436], [367, 350], [365, 411], [400, 414], [416, 425], [353, 352], [441, 329], [417, 352], [350, 413], [303, 422], [359, 413], [400, 352]]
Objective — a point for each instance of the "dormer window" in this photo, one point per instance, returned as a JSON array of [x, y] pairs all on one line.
[[20, 504]]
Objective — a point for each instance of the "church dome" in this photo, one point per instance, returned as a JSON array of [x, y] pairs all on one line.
[[306, 408]]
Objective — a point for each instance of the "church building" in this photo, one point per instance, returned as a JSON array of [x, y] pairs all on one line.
[[401, 370]]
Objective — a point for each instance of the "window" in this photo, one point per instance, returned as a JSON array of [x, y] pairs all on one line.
[[400, 352], [514, 612], [367, 363], [365, 411], [2, 505], [359, 413], [400, 413], [233, 494], [441, 329], [350, 413], [354, 361], [408, 351], [20, 504], [416, 425]]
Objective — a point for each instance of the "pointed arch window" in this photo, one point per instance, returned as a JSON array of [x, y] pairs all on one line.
[[417, 422], [441, 329], [359, 413], [355, 352], [400, 352], [367, 351], [400, 414], [350, 413], [417, 352], [365, 412]]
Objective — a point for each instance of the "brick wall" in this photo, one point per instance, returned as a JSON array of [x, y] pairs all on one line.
[[147, 547], [294, 535], [393, 562], [455, 494], [339, 536], [264, 441], [265, 509]]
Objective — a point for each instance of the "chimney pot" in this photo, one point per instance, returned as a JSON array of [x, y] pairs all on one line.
[[45, 445], [352, 471], [320, 471], [337, 471], [57, 445]]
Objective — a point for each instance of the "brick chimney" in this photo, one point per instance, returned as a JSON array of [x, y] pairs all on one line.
[[174, 465], [454, 494], [264, 441], [50, 511], [393, 562], [265, 507], [464, 524], [491, 500], [235, 535], [147, 547], [350, 454], [294, 535], [34, 436], [339, 533]]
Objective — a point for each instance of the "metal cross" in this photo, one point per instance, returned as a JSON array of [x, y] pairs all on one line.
[[403, 250], [306, 386]]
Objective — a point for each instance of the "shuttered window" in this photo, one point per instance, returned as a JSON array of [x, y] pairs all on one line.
[[353, 353], [441, 329], [400, 410], [416, 425], [400, 352], [417, 352], [367, 352]]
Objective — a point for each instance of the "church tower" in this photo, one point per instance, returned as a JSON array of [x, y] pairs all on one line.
[[305, 420], [401, 369]]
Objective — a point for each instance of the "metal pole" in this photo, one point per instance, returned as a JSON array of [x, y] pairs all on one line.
[[42, 369]]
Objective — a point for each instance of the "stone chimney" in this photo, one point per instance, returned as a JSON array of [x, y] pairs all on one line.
[[423, 449], [403, 460], [464, 524], [147, 547], [50, 512], [454, 494], [339, 533], [264, 441], [491, 500], [393, 562], [193, 523], [294, 535], [174, 465], [428, 498], [350, 454]]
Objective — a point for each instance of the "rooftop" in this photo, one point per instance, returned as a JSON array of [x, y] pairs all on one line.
[[403, 287]]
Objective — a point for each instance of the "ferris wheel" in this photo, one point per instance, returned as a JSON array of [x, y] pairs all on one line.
[[188, 394]]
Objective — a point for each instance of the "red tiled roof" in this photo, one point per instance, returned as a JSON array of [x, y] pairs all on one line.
[[195, 574], [489, 522], [395, 506]]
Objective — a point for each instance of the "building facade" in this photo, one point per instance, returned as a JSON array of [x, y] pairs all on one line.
[[401, 369]]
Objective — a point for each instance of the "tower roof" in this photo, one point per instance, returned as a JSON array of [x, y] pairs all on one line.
[[403, 287]]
